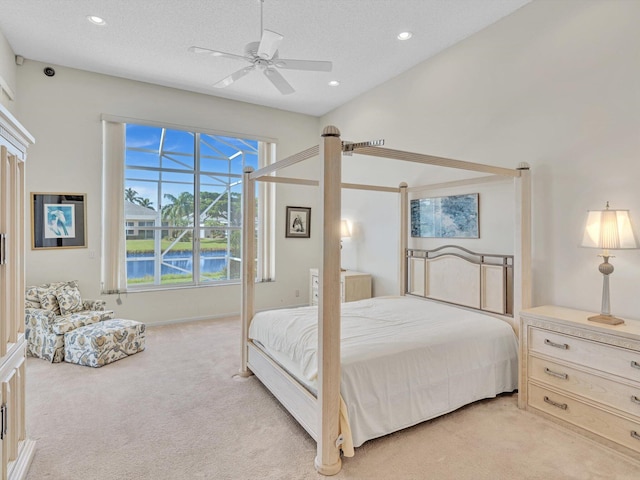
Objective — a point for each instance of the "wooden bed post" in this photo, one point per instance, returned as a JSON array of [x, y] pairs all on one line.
[[522, 277], [327, 461], [248, 264], [404, 206], [522, 264]]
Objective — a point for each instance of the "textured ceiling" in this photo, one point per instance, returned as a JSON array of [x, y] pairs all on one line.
[[147, 40]]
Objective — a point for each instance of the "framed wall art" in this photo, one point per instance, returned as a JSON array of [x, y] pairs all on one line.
[[58, 220], [298, 222], [454, 216]]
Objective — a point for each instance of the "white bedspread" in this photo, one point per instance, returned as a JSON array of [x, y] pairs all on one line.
[[404, 360]]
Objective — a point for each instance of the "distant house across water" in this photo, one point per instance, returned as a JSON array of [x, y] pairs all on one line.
[[137, 216]]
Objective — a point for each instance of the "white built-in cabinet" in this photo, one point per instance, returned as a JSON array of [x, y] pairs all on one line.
[[16, 450]]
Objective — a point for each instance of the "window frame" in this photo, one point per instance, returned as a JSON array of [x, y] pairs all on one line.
[[116, 281]]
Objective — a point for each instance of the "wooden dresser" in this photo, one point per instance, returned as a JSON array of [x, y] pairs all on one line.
[[353, 286], [583, 375]]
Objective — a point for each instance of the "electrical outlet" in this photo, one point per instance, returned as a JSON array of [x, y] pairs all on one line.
[[297, 293], [92, 254]]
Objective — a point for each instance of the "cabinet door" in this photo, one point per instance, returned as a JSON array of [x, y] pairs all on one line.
[[15, 250], [11, 249], [9, 420], [5, 240], [4, 427]]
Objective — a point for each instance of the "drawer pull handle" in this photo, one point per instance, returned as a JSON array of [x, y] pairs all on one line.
[[563, 376], [635, 435], [635, 364], [563, 406], [563, 346], [635, 399]]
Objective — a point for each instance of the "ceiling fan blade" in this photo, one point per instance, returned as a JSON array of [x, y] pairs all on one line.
[[215, 53], [311, 65], [225, 82], [269, 44], [278, 81]]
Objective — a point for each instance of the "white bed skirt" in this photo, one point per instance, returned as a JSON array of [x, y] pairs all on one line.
[[404, 360]]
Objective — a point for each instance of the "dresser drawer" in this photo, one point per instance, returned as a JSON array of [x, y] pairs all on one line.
[[618, 361], [603, 390], [353, 286], [314, 290], [617, 429]]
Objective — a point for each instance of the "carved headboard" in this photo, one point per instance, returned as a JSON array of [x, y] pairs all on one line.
[[459, 276]]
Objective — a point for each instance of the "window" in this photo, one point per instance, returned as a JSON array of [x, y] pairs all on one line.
[[180, 207]]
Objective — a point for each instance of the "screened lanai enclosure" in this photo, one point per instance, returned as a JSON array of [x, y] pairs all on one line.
[[183, 196]]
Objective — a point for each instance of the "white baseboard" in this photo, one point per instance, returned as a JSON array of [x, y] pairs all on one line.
[[192, 319], [20, 467]]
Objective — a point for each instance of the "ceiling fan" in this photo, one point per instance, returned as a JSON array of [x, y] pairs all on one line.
[[263, 55]]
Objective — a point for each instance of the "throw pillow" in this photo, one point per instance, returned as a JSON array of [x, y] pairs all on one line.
[[31, 299], [69, 298], [47, 297]]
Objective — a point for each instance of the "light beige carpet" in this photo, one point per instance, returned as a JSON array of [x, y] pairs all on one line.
[[175, 412]]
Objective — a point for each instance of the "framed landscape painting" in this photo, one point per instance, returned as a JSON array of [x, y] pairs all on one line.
[[454, 216], [58, 220]]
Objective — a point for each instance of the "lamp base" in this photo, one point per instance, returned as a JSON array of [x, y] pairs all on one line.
[[608, 319]]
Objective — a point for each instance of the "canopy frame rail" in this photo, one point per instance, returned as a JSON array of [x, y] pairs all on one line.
[[286, 162], [433, 160]]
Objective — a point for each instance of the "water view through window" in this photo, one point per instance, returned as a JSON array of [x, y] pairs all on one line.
[[183, 197]]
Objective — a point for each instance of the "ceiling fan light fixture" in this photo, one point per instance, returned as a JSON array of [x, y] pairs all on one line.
[[96, 20], [334, 83], [263, 55], [404, 35]]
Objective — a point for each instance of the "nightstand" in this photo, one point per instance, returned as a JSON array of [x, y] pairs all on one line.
[[353, 286], [582, 375]]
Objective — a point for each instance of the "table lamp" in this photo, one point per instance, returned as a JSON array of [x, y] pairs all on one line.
[[344, 233], [608, 230]]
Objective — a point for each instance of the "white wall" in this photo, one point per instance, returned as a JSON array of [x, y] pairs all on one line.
[[63, 114], [556, 84]]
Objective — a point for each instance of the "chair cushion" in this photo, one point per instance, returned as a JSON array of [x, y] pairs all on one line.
[[75, 320], [69, 298], [105, 342]]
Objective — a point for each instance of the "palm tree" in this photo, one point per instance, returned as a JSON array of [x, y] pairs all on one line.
[[130, 195], [145, 202], [215, 204], [180, 211]]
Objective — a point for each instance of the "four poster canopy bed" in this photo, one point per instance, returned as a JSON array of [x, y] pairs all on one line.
[[352, 372]]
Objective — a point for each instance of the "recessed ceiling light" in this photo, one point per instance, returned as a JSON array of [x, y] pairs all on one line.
[[405, 35], [334, 83], [96, 20]]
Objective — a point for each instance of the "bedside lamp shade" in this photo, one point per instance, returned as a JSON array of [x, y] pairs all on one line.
[[344, 229], [608, 230], [344, 233]]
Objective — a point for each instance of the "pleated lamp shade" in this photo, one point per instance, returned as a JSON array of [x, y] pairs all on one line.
[[609, 230]]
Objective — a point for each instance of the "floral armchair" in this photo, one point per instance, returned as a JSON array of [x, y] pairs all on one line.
[[53, 309]]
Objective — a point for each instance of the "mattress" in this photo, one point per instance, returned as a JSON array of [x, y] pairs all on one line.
[[404, 360]]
